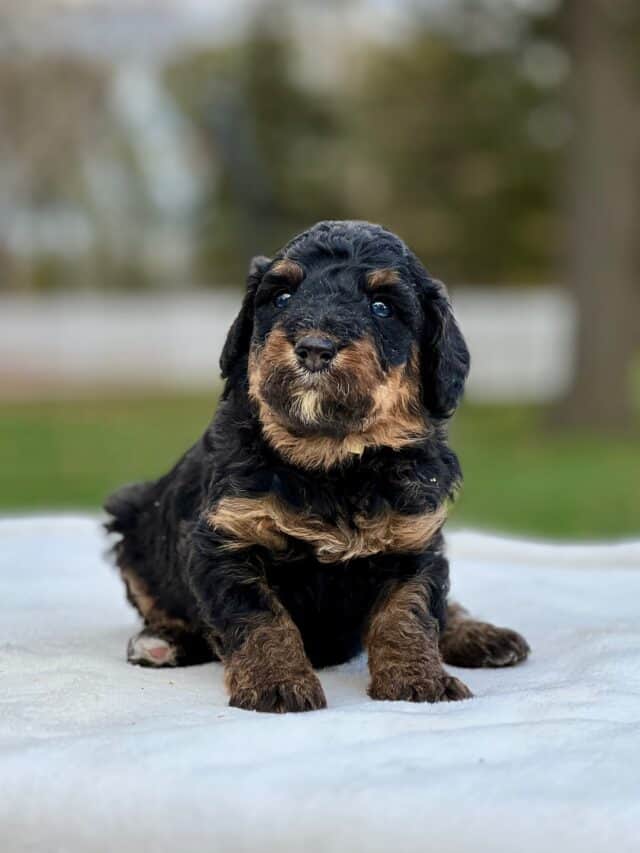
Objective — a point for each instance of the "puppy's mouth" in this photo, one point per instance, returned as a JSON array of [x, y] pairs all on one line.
[[314, 385]]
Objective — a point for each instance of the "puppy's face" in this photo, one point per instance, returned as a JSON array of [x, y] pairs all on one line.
[[345, 329], [332, 344]]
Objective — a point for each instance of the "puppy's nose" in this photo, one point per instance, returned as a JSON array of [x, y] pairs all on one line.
[[315, 352]]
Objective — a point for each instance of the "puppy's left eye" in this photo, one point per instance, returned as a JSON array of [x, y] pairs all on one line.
[[281, 299], [381, 309]]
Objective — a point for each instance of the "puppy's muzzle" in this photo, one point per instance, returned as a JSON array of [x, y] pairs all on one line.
[[315, 352]]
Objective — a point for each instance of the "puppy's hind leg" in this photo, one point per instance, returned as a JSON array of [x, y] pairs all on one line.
[[469, 643], [162, 646], [166, 639]]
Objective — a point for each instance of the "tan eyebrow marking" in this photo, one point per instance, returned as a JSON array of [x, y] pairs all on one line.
[[379, 278], [289, 269]]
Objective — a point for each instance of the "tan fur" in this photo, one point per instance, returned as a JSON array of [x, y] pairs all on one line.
[[402, 642], [276, 352], [268, 522], [326, 452], [382, 277], [249, 521], [145, 603], [396, 401], [288, 269], [271, 672], [395, 419]]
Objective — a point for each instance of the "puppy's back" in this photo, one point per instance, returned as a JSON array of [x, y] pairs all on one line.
[[124, 506]]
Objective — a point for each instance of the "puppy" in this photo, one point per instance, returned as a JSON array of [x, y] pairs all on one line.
[[306, 523]]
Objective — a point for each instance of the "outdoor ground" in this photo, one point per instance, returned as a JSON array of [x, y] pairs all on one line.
[[98, 756], [519, 477]]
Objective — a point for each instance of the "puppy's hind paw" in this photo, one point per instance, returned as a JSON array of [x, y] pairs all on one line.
[[476, 644], [148, 649]]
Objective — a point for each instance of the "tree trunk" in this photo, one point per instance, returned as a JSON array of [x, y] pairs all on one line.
[[603, 213]]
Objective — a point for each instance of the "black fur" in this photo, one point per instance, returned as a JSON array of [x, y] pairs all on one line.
[[166, 539]]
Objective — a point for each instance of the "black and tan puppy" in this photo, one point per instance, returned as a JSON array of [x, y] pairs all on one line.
[[306, 523]]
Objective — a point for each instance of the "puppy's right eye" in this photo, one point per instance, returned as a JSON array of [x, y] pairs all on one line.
[[281, 299]]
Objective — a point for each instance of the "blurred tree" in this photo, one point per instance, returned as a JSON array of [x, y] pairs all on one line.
[[74, 209], [272, 144], [447, 150], [51, 112], [603, 208]]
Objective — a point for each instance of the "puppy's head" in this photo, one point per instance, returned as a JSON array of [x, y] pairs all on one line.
[[344, 329]]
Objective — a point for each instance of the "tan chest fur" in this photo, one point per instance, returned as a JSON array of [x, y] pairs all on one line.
[[268, 522]]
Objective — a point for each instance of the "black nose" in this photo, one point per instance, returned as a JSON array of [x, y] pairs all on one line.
[[315, 352]]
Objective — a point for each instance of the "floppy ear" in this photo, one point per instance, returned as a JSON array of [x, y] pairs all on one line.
[[444, 357], [239, 336]]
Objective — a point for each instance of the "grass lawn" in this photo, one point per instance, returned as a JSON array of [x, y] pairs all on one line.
[[518, 477]]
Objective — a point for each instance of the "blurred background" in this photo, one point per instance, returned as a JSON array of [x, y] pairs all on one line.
[[149, 149]]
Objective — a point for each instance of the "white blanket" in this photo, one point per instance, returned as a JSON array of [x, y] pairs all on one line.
[[97, 755]]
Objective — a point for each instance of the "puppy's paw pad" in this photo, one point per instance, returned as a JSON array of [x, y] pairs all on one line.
[[304, 693], [147, 649]]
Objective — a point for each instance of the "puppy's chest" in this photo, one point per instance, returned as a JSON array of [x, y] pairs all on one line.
[[351, 529]]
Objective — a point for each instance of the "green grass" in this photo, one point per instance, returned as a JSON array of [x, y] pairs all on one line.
[[71, 454], [521, 477], [518, 476]]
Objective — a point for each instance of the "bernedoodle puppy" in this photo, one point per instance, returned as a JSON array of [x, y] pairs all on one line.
[[306, 523]]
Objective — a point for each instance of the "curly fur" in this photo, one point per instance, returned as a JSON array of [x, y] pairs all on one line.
[[307, 519]]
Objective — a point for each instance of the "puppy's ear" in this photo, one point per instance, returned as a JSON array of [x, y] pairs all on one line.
[[444, 357], [239, 336]]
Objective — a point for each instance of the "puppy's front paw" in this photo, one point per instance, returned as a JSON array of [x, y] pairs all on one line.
[[270, 672], [412, 686], [300, 693]]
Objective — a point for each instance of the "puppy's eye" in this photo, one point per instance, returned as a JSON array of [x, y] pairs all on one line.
[[381, 309], [281, 299]]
